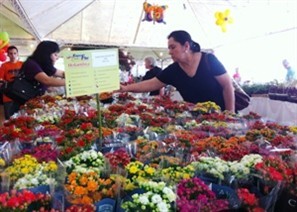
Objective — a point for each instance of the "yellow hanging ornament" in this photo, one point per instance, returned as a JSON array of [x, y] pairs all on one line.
[[223, 18]]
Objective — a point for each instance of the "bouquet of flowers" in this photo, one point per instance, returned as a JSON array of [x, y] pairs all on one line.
[[43, 175], [205, 107], [174, 174], [242, 169], [23, 200], [88, 188], [87, 161], [157, 197], [214, 167], [272, 170], [27, 164], [22, 121], [44, 152], [194, 195], [249, 200], [137, 171], [119, 158]]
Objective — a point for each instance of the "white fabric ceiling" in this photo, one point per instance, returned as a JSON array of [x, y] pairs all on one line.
[[119, 22]]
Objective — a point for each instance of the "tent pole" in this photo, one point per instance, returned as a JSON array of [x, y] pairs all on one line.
[[138, 26]]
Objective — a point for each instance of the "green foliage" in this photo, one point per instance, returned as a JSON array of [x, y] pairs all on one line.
[[257, 88]]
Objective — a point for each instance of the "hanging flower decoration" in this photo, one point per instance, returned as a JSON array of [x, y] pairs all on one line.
[[148, 9], [223, 18], [154, 13]]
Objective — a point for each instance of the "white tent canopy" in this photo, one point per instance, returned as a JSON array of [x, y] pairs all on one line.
[[120, 23]]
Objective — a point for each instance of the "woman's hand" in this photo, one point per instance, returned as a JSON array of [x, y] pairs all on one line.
[[123, 88]]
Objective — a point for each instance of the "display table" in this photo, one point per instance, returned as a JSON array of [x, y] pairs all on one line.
[[281, 112]]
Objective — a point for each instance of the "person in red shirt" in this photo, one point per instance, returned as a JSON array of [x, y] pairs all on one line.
[[236, 76], [8, 71]]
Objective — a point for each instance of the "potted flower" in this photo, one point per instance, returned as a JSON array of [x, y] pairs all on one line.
[[155, 197], [194, 195]]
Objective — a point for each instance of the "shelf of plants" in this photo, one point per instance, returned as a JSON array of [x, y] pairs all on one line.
[[154, 154]]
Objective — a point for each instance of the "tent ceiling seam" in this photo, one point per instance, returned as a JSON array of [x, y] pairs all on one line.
[[24, 18], [16, 14]]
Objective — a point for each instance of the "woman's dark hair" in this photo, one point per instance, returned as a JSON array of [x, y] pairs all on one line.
[[42, 55], [182, 37]]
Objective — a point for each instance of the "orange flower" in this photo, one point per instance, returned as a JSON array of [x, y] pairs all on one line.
[[107, 182], [92, 186], [83, 180], [97, 196], [72, 177], [86, 200], [79, 190]]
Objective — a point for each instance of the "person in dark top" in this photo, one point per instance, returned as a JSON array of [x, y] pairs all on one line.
[[40, 66], [153, 71], [198, 76]]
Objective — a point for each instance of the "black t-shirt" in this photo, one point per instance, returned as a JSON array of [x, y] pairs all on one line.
[[202, 86], [151, 74]]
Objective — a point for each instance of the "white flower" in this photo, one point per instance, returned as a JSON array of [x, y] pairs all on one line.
[[34, 181], [93, 154], [143, 200], [162, 206], [85, 155], [69, 163], [169, 194], [156, 198]]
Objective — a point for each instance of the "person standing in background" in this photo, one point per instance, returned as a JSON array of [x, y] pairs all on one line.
[[152, 71], [236, 76], [8, 71], [290, 76]]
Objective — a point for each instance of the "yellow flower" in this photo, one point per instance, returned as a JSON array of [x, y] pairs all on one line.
[[149, 170], [50, 166], [186, 176], [25, 170], [2, 162], [293, 129], [133, 169], [128, 185]]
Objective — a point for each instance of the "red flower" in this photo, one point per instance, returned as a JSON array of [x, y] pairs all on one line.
[[275, 175]]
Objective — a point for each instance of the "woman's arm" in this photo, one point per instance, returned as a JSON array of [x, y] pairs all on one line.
[[228, 91], [43, 78], [144, 86]]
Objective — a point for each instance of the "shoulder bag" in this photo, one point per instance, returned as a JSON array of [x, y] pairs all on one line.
[[242, 99], [21, 89]]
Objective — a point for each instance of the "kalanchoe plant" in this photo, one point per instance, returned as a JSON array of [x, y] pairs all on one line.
[[194, 195], [14, 201]]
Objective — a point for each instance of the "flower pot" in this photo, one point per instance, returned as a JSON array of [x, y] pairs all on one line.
[[105, 205]]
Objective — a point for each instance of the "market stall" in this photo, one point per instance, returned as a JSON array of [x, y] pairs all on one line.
[[154, 154]]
